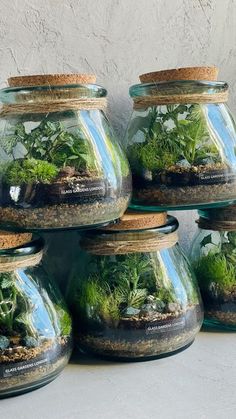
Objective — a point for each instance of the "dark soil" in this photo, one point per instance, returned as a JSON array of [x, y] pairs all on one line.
[[146, 337]]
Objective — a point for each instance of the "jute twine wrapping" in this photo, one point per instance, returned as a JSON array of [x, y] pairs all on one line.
[[142, 102], [54, 106], [102, 246], [216, 225], [9, 264]]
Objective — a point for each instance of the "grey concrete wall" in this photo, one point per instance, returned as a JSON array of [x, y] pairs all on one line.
[[118, 40]]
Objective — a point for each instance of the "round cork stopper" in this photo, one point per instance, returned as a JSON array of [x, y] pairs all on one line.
[[9, 240], [51, 80], [185, 73], [137, 220]]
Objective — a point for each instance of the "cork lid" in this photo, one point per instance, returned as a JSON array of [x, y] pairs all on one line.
[[51, 80], [9, 240], [138, 220], [185, 73]]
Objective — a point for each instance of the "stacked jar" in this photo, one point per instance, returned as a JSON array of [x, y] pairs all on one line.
[[181, 141], [61, 168], [181, 145], [213, 256], [132, 293]]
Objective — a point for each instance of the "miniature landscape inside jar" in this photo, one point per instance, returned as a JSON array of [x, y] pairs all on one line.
[[181, 154], [35, 327], [214, 260], [135, 302], [61, 166]]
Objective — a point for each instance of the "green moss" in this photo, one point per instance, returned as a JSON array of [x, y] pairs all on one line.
[[64, 320], [215, 271], [20, 172]]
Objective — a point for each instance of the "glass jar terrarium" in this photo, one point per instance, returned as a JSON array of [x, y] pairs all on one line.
[[134, 296], [214, 259], [60, 164], [35, 327], [181, 141]]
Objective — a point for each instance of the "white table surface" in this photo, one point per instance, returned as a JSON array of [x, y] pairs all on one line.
[[197, 383]]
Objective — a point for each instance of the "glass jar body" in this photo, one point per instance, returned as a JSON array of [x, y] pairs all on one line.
[[59, 168], [35, 330], [134, 306], [183, 154], [214, 261]]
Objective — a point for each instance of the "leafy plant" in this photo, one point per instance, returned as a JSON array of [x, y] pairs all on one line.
[[114, 286], [168, 139], [51, 142], [19, 172], [15, 310]]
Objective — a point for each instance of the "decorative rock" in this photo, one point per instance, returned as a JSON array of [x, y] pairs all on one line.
[[172, 307], [30, 342], [147, 309], [131, 312], [4, 343], [183, 163], [159, 305]]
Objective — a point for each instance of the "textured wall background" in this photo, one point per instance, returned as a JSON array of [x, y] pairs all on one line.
[[118, 40]]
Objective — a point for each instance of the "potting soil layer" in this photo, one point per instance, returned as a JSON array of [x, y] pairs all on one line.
[[141, 338], [64, 215]]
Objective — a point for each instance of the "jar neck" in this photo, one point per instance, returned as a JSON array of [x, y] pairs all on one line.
[[138, 241], [27, 255], [216, 225], [37, 94]]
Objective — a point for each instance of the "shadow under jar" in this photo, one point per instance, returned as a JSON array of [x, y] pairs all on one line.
[[181, 144], [213, 255], [35, 327], [61, 166], [134, 297]]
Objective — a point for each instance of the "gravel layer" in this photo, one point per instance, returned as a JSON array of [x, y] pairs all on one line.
[[224, 317], [37, 374], [184, 195], [63, 215], [153, 344]]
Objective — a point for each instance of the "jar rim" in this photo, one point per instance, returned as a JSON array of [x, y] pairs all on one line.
[[171, 226], [177, 86], [9, 94], [34, 246]]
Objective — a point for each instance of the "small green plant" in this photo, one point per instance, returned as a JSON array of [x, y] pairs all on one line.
[[52, 146], [26, 171], [170, 138], [15, 310], [216, 273], [117, 285]]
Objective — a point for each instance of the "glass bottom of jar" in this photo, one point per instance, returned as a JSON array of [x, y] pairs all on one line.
[[63, 216], [30, 387], [135, 359], [217, 325], [160, 208]]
